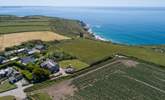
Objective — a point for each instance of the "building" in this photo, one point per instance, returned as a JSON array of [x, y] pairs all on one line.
[[6, 72], [15, 78], [14, 58], [9, 53], [27, 60], [21, 50], [52, 66], [69, 70], [1, 59], [40, 47], [2, 73], [32, 51]]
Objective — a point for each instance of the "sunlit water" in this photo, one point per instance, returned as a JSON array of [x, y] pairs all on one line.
[[125, 26]]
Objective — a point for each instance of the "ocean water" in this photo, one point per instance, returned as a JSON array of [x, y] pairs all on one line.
[[132, 26]]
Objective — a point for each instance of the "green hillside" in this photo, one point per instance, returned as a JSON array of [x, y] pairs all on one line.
[[12, 24], [91, 51]]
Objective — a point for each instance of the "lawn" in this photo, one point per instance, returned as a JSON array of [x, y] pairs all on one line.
[[6, 86], [40, 96], [7, 98], [91, 51], [121, 81], [77, 64]]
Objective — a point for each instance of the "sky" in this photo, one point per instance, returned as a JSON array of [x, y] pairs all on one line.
[[102, 3]]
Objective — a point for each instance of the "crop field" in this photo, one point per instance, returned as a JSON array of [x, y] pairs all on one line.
[[9, 40], [122, 80], [91, 51]]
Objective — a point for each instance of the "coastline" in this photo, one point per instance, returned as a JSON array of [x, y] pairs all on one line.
[[97, 37], [89, 30]]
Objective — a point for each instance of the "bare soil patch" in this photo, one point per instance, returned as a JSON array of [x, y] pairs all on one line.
[[129, 63], [9, 40], [61, 90]]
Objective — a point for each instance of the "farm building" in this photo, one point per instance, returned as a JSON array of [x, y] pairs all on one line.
[[50, 65]]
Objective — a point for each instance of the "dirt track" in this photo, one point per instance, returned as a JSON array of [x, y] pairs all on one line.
[[66, 88]]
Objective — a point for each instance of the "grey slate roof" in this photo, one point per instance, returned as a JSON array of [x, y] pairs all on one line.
[[27, 60], [51, 65]]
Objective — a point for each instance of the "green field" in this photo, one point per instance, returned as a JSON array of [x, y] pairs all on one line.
[[75, 63], [91, 51], [6, 86], [7, 98], [40, 96], [121, 82], [14, 24]]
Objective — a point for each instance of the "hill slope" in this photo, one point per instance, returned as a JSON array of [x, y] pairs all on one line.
[[14, 24], [92, 51]]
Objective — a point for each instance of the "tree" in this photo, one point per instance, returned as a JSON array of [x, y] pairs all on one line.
[[81, 35], [40, 74], [32, 66]]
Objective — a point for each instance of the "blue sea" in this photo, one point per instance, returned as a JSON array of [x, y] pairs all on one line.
[[132, 26]]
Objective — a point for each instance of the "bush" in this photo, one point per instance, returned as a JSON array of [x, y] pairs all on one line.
[[27, 75], [40, 74]]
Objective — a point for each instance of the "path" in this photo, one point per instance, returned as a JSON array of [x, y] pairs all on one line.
[[18, 92]]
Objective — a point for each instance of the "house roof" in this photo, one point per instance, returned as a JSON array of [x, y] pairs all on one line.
[[2, 72], [1, 59], [7, 70], [21, 50], [32, 51], [28, 59], [39, 47], [49, 64]]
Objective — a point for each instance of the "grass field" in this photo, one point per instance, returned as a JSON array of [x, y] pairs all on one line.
[[9, 40], [6, 86], [91, 51], [7, 98], [124, 80], [40, 96], [14, 24], [77, 64]]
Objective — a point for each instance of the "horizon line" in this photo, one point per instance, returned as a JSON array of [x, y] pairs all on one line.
[[84, 6]]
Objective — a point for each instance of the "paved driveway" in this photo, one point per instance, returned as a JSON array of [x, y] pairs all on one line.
[[18, 92]]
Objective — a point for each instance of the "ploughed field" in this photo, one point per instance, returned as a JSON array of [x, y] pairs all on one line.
[[9, 40], [122, 80]]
